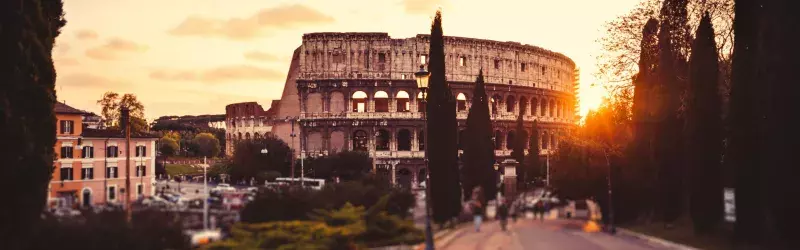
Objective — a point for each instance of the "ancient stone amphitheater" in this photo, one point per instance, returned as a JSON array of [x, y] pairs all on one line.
[[356, 91]]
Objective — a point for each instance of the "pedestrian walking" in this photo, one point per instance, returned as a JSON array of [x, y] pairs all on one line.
[[476, 207], [502, 214]]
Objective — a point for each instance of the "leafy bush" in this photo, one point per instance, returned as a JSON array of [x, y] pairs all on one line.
[[279, 205]]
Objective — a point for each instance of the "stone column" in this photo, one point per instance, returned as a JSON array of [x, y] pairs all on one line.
[[394, 176], [414, 140]]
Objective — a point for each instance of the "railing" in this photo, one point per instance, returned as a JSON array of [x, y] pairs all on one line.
[[503, 116]]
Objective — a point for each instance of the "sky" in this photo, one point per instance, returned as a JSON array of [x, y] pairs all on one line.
[[191, 57]]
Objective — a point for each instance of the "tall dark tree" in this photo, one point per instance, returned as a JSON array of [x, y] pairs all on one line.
[[518, 152], [478, 155], [533, 164], [249, 162], [644, 112], [442, 148], [28, 29], [703, 143]]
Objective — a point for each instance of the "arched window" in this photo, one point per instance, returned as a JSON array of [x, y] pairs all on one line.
[[256, 136], [420, 103], [495, 101], [545, 140], [403, 104], [404, 140], [381, 101], [359, 101], [510, 140], [462, 139], [554, 141], [240, 135], [360, 140], [543, 107], [421, 140], [247, 136], [498, 140], [338, 105], [461, 102], [552, 108], [534, 106], [382, 140], [314, 103], [87, 197], [510, 102], [523, 105]]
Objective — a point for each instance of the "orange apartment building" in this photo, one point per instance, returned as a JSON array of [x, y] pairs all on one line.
[[90, 163]]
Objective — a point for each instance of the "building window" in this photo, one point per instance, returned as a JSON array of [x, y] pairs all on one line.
[[522, 67], [510, 140], [510, 104], [404, 140], [366, 59], [403, 103], [381, 101], [87, 152], [141, 171], [360, 141], [111, 172], [66, 152], [66, 173], [112, 193], [543, 70], [381, 57], [382, 140], [87, 173], [498, 139], [67, 127], [139, 190], [462, 61], [112, 152], [461, 102], [423, 59], [496, 64], [359, 101]]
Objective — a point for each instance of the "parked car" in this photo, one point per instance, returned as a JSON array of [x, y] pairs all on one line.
[[577, 209], [224, 187]]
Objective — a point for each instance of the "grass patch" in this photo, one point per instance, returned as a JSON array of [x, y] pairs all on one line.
[[179, 169]]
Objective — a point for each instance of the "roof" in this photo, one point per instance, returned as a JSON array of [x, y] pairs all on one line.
[[62, 108], [114, 133]]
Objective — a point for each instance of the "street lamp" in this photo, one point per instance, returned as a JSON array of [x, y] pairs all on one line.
[[422, 77]]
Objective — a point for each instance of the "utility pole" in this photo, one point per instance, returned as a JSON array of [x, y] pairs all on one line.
[[125, 114]]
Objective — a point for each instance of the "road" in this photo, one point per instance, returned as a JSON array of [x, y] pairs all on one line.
[[553, 234]]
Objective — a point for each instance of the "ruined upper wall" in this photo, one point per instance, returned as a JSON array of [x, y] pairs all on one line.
[[378, 56]]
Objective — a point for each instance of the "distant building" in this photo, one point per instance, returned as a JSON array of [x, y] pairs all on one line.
[[247, 120], [189, 121], [90, 163]]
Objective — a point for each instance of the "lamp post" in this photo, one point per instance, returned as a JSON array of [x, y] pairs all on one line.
[[265, 152], [422, 78]]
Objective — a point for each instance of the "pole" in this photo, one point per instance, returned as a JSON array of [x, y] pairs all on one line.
[[612, 228], [428, 230], [205, 194]]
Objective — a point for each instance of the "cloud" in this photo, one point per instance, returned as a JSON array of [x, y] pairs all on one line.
[[423, 7], [262, 56], [86, 35], [62, 47], [112, 49], [219, 74], [85, 80], [66, 61], [257, 25]]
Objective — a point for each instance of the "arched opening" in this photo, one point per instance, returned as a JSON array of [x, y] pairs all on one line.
[[461, 102], [240, 135], [404, 140], [498, 140], [420, 104], [381, 101], [337, 103], [462, 139], [359, 101], [552, 108], [403, 178], [422, 175], [523, 105], [247, 136], [421, 140], [360, 140], [87, 198], [337, 141], [534, 106], [554, 141], [495, 101], [510, 140], [403, 104], [314, 103], [545, 140], [510, 102], [382, 140], [256, 136], [314, 141], [543, 107]]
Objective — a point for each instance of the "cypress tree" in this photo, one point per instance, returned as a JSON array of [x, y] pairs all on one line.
[[533, 163], [643, 112], [442, 147], [478, 155], [27, 123], [518, 152], [704, 130]]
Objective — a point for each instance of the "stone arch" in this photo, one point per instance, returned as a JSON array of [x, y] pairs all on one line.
[[552, 107], [382, 140], [543, 107], [534, 106], [495, 103], [337, 141], [314, 103], [461, 102], [404, 177], [420, 104], [247, 136], [523, 105], [86, 197], [314, 141], [402, 100], [359, 101], [511, 102], [510, 139], [360, 141], [240, 135], [545, 140], [381, 99], [256, 136], [498, 140], [337, 105], [404, 140]]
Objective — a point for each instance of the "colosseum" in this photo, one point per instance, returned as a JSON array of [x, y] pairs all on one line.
[[356, 91]]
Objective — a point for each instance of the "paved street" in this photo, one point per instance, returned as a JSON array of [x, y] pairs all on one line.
[[534, 234]]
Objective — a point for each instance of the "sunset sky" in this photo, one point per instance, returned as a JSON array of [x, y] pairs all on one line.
[[195, 56]]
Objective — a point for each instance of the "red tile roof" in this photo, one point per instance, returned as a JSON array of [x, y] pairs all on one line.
[[62, 108], [114, 133]]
